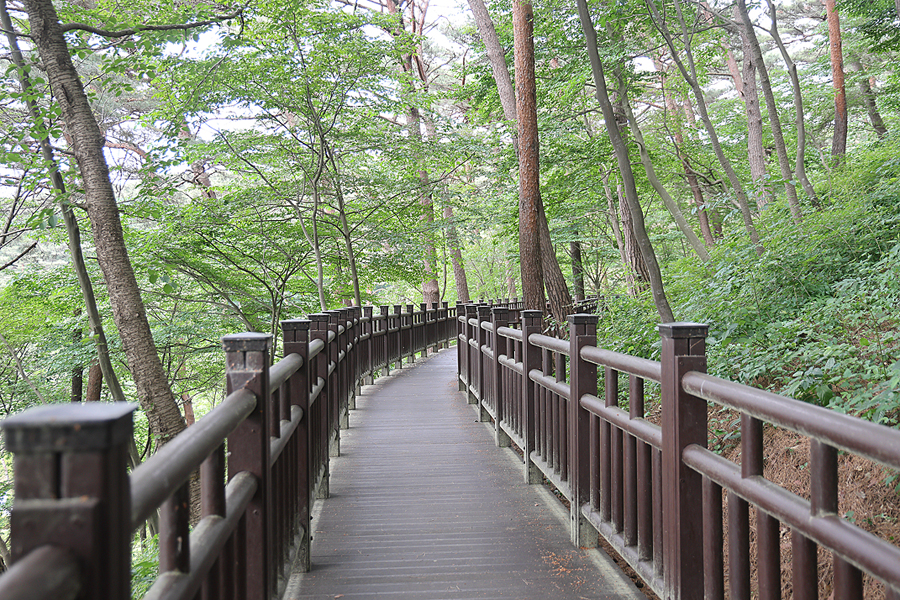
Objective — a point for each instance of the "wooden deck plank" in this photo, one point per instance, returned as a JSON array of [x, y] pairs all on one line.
[[424, 505]]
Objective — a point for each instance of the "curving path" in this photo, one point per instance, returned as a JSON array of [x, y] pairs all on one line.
[[424, 506]]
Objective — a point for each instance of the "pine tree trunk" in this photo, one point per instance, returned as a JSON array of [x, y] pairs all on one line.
[[577, 269], [839, 141], [95, 383], [636, 268], [529, 167]]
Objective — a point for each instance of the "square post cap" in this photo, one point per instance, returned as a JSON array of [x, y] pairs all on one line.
[[87, 426], [247, 342], [500, 312], [583, 319], [295, 325], [683, 330]]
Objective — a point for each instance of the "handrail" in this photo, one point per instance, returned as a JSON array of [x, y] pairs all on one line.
[[647, 369], [618, 470], [842, 431], [280, 427], [45, 573], [159, 476]]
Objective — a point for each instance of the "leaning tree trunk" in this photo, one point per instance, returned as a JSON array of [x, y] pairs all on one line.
[[459, 271], [865, 89], [577, 269], [87, 141], [839, 141], [774, 120], [637, 274], [689, 74], [529, 177], [800, 119], [624, 162]]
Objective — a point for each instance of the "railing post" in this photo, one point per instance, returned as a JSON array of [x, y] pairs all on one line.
[[531, 359], [444, 330], [683, 423], [318, 330], [295, 334], [471, 363], [461, 354], [72, 490], [500, 317], [247, 365], [370, 345], [484, 315], [386, 340], [583, 380], [351, 317], [338, 397], [423, 329], [398, 323]]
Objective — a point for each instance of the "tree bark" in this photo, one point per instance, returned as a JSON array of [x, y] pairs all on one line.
[[624, 162], [868, 95], [77, 390], [784, 164], [128, 310], [560, 298], [668, 201], [839, 141], [756, 155], [637, 274], [459, 271], [529, 166], [95, 383], [577, 269]]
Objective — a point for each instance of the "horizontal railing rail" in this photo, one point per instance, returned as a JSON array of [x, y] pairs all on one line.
[[655, 493], [76, 507]]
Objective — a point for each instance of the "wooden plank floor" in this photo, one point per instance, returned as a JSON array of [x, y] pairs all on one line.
[[424, 505]]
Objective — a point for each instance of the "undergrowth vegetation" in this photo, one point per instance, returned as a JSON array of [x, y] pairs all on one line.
[[815, 317]]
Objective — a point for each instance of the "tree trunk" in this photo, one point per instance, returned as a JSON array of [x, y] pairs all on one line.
[[459, 271], [95, 383], [800, 120], [657, 185], [774, 120], [624, 162], [868, 95], [839, 141], [77, 371], [637, 275], [577, 269], [614, 221], [756, 154], [128, 309], [529, 167], [691, 78]]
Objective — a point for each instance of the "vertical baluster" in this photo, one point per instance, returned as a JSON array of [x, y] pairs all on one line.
[[499, 319], [318, 330], [562, 455], [713, 556], [738, 547], [295, 334], [610, 389], [483, 315], [636, 410], [212, 494], [543, 431], [767, 528]]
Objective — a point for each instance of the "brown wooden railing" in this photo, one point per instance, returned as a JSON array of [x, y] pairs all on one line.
[[655, 493], [76, 507]]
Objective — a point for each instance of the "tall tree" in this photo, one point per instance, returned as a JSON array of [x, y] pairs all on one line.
[[839, 139], [529, 165], [774, 120], [87, 142], [559, 296], [689, 73], [624, 162]]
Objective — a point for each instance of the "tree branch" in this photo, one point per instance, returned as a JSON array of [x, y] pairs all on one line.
[[141, 28]]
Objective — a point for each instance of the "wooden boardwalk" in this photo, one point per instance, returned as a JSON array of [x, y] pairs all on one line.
[[424, 506]]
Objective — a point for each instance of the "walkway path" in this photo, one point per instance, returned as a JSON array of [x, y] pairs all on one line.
[[423, 505]]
